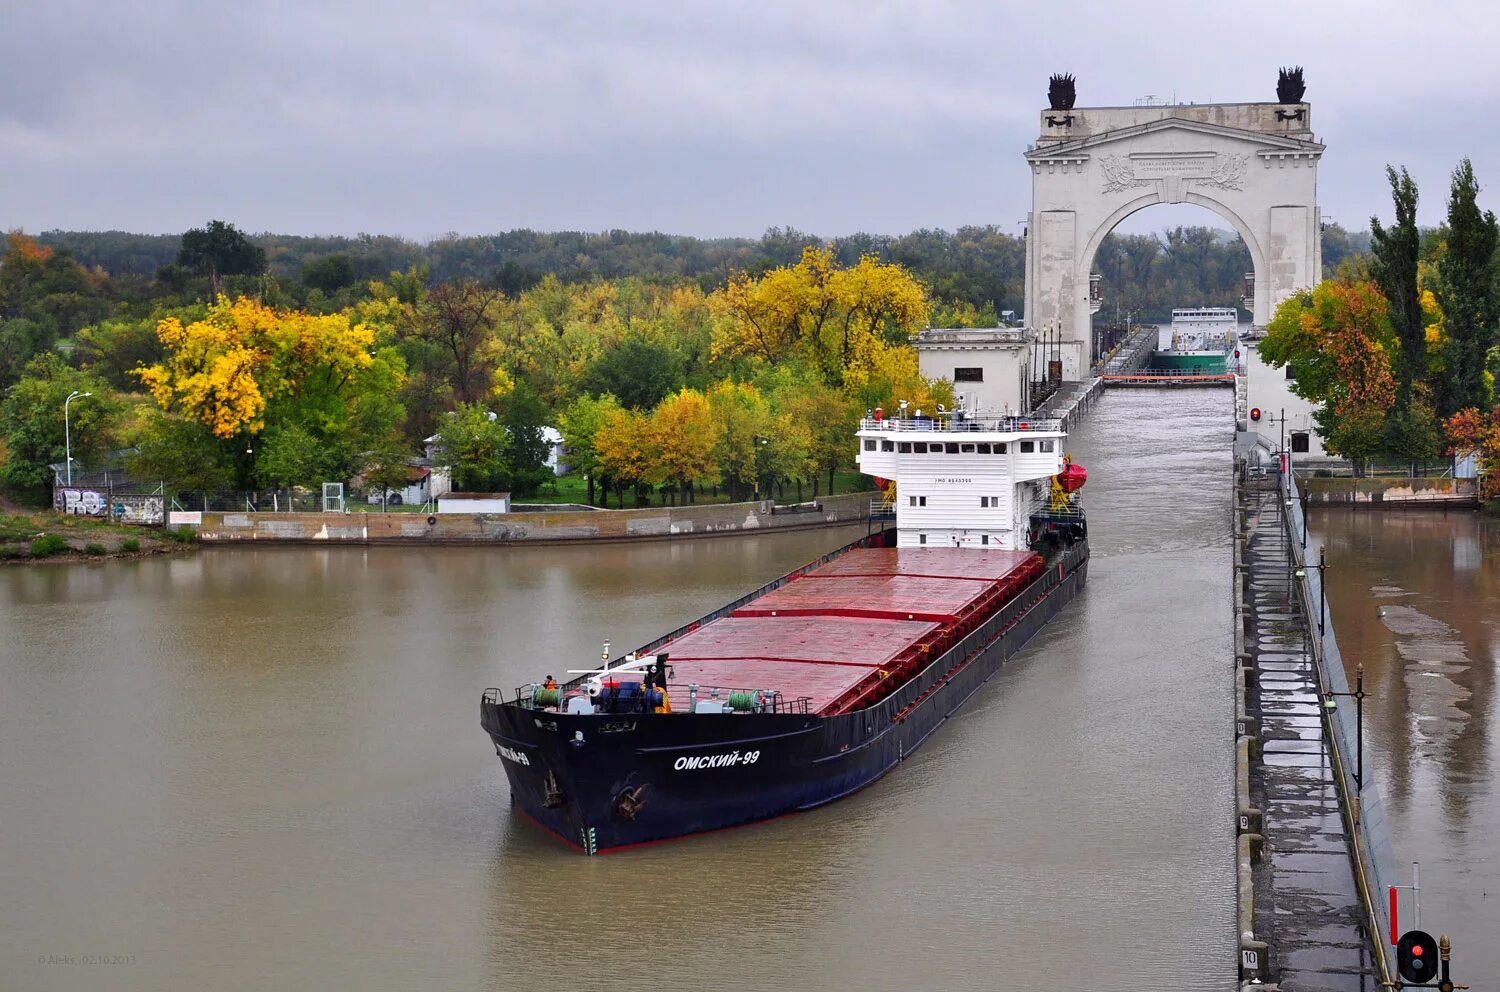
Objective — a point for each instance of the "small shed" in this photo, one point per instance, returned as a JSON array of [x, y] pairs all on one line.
[[474, 503]]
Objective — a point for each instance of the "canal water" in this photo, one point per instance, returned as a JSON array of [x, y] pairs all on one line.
[[253, 769], [1416, 597]]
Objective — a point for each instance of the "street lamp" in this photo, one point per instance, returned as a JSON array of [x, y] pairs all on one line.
[[68, 433], [1358, 696]]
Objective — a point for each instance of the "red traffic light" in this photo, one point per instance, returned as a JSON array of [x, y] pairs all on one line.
[[1416, 956], [1255, 414]]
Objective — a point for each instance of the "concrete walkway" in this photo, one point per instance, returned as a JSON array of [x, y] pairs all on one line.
[[1307, 906]]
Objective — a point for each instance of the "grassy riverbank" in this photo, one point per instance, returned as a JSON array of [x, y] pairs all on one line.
[[47, 536]]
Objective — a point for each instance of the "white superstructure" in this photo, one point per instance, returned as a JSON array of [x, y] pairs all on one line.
[[1211, 329], [963, 481]]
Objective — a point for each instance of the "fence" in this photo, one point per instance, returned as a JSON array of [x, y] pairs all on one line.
[[110, 495]]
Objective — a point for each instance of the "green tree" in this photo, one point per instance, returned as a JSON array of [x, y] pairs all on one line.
[[1394, 266], [476, 449], [330, 273], [219, 250], [1466, 289], [182, 452], [638, 372], [31, 421], [289, 454], [580, 422]]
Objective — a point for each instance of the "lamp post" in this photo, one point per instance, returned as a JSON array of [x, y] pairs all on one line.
[[1359, 721], [68, 432], [1322, 590]]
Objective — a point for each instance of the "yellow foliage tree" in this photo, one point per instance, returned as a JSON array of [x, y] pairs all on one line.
[[625, 448], [830, 317], [683, 434], [224, 369]]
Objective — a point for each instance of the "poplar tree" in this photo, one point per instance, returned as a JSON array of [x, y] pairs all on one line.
[[1395, 269], [1466, 291]]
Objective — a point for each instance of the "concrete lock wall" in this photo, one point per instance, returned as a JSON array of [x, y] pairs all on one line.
[[1393, 492], [504, 528]]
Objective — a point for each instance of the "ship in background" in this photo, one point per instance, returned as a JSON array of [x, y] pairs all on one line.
[[816, 684], [1199, 341]]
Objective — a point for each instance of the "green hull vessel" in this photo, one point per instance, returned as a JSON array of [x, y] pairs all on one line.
[[1197, 362]]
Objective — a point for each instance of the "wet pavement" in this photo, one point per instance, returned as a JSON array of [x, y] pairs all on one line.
[[1307, 905]]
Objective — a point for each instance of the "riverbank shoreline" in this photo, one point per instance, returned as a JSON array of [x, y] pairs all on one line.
[[361, 529], [46, 537]]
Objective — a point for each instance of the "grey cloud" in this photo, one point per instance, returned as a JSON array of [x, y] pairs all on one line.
[[702, 118]]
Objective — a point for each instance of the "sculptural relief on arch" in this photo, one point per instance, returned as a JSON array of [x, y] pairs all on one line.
[[1253, 164]]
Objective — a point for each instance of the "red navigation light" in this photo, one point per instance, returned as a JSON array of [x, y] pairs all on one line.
[[1255, 414], [1413, 951]]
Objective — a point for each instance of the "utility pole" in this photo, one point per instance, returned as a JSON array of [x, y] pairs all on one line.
[[68, 432]]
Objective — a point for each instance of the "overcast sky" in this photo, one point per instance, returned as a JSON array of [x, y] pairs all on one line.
[[695, 118]]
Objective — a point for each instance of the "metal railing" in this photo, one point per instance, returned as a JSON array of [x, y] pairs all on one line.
[[684, 696], [946, 424]]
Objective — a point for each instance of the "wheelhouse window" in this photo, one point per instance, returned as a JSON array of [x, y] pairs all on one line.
[[869, 444], [1027, 447], [984, 447], [904, 447], [887, 445], [1046, 445], [968, 375], [951, 447], [920, 447], [967, 449], [1299, 442]]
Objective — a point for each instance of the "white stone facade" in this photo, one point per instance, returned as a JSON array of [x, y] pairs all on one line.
[[990, 367], [1254, 164]]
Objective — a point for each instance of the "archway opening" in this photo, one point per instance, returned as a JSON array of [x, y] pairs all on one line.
[[1158, 258]]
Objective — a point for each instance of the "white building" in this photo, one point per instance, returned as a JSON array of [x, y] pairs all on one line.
[[474, 503], [990, 367], [964, 482], [1268, 391]]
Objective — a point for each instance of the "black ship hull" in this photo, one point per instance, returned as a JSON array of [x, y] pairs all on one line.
[[606, 782]]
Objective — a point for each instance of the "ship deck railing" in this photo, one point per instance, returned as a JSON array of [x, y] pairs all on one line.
[[949, 423], [683, 696]]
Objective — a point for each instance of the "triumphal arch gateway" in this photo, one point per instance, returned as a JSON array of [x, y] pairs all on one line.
[[1254, 164]]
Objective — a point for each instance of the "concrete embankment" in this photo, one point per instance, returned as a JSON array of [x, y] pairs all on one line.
[[517, 528], [1391, 494], [1314, 856]]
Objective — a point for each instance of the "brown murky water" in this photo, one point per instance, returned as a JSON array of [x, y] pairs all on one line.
[[264, 769], [1416, 597]]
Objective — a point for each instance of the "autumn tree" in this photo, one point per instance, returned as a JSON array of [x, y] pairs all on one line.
[[626, 449], [458, 321], [219, 250], [1468, 291], [827, 316], [682, 433], [1338, 340], [244, 366], [742, 424], [1470, 430]]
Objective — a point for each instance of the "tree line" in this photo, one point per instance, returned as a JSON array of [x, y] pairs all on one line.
[[1401, 349]]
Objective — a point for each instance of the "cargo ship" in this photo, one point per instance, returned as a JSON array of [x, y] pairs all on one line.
[[822, 681], [1199, 341]]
